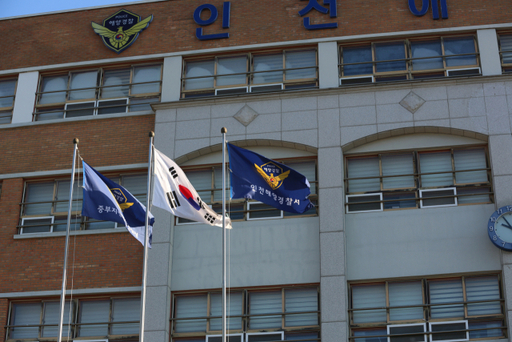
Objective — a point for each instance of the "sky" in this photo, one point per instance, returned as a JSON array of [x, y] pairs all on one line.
[[11, 8]]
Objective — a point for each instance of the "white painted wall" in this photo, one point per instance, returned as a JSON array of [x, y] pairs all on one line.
[[25, 97]]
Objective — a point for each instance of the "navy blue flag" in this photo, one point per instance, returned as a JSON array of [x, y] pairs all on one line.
[[106, 200], [256, 177]]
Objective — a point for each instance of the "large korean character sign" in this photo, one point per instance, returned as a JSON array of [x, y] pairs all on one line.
[[313, 4], [214, 14]]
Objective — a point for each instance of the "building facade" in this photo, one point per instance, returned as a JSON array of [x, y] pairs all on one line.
[[398, 112]]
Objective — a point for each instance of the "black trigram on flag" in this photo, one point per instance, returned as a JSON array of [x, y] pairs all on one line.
[[173, 172], [173, 199], [209, 218]]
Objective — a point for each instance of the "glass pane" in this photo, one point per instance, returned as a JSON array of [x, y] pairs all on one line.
[[364, 203], [272, 337], [390, 51], [83, 80], [486, 331], [300, 59], [94, 312], [436, 162], [426, 49], [366, 335], [7, 88], [394, 165], [406, 294], [231, 65], [429, 200], [116, 77], [408, 329], [5, 117], [137, 185], [308, 170], [297, 300], [455, 46], [482, 289], [470, 160], [52, 317], [38, 192], [446, 291], [49, 114], [357, 55], [112, 106], [42, 225], [481, 195], [79, 109], [197, 69], [262, 211], [217, 171], [400, 200], [62, 197], [53, 84], [189, 307], [445, 331], [363, 167], [142, 103], [234, 308], [369, 296], [202, 182], [147, 74], [125, 310], [506, 48], [265, 64], [60, 224], [25, 314], [265, 303]]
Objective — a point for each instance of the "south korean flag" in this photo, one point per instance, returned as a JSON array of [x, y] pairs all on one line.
[[174, 193]]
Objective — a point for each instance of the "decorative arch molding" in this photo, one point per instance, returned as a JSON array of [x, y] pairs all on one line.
[[265, 143], [349, 147]]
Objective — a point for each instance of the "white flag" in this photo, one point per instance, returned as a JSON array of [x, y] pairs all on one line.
[[174, 193]]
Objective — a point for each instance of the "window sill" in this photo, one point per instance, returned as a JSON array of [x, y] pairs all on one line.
[[71, 233]]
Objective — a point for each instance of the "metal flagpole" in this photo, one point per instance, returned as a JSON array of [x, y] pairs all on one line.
[[146, 243], [64, 275], [224, 131]]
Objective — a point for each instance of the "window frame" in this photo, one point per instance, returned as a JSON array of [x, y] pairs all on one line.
[[417, 175], [8, 109], [408, 73], [61, 107], [426, 306], [506, 67], [247, 87]]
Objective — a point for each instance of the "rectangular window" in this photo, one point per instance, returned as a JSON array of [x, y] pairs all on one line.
[[284, 311], [98, 91], [45, 204], [408, 59], [89, 318], [208, 184], [456, 309], [415, 179], [7, 94], [505, 41], [252, 72]]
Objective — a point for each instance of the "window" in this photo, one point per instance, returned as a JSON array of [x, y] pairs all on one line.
[[505, 41], [269, 314], [250, 73], [208, 184], [98, 91], [413, 179], [429, 309], [36, 320], [7, 92], [408, 59], [46, 203]]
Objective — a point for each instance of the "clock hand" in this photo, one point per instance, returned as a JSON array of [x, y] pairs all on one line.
[[509, 226]]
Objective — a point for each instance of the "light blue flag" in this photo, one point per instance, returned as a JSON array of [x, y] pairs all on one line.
[[106, 200]]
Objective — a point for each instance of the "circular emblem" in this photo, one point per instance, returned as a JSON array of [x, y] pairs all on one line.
[[499, 228]]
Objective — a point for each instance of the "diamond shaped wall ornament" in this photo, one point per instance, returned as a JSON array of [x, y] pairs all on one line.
[[412, 102], [246, 115]]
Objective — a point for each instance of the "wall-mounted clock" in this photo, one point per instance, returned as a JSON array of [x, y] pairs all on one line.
[[499, 228]]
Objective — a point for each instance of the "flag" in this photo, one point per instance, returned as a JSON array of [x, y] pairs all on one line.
[[256, 177], [174, 193], [106, 200]]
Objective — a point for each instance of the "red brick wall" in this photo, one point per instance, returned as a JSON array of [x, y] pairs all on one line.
[[68, 37], [103, 260], [4, 305]]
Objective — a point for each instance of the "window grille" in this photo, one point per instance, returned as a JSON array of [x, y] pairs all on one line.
[[408, 59], [413, 179], [250, 73], [7, 94], [98, 92], [450, 309]]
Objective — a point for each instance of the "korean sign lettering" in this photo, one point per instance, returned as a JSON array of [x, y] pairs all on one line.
[[214, 14], [425, 5], [313, 4]]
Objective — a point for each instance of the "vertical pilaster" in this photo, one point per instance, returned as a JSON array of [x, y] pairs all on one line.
[[328, 65], [489, 52], [25, 97], [171, 79]]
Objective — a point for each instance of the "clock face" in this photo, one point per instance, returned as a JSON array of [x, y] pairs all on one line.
[[500, 228]]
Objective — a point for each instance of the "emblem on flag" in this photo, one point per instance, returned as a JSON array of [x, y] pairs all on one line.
[[121, 198], [272, 174]]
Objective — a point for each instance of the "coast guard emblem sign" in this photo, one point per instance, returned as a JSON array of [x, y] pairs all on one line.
[[121, 29]]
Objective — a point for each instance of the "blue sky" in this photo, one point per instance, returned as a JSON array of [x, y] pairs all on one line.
[[10, 8]]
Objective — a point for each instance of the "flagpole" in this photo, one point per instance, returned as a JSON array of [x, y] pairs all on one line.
[[224, 131], [146, 244], [64, 275]]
